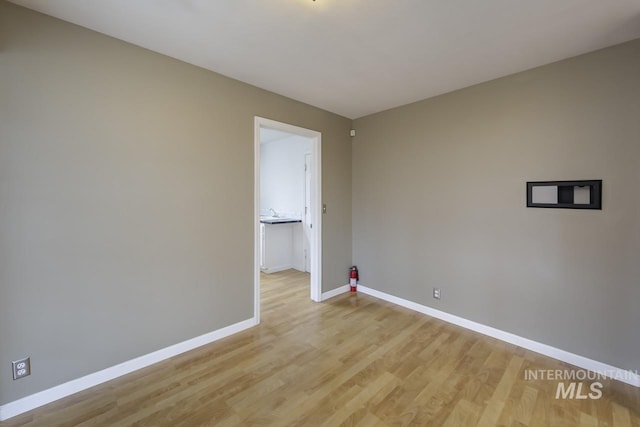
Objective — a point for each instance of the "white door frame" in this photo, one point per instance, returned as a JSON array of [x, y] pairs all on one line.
[[316, 208]]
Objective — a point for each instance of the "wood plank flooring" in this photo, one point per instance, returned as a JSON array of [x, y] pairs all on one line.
[[353, 360]]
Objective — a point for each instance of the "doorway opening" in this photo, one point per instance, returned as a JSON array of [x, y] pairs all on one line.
[[306, 231]]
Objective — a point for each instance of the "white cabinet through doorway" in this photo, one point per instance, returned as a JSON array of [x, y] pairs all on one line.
[[277, 246]]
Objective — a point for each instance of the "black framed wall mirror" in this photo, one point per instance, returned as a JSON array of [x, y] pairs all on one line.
[[585, 194]]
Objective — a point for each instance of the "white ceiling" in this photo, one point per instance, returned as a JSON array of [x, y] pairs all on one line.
[[356, 57]]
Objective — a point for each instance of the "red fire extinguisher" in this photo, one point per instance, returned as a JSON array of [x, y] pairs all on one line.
[[353, 278]]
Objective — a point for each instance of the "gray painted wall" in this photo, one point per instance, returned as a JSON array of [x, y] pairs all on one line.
[[439, 201], [126, 199]]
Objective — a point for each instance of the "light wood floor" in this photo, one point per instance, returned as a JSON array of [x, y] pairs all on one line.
[[352, 360]]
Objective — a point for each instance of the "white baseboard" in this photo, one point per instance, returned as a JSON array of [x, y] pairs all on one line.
[[276, 269], [619, 374], [44, 397], [333, 292]]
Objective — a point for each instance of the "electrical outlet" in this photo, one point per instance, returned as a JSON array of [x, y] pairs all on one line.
[[21, 368], [436, 293]]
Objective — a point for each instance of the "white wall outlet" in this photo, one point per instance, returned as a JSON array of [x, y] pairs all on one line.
[[21, 368], [436, 293]]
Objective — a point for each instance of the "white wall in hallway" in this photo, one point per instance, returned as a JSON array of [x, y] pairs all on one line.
[[282, 176]]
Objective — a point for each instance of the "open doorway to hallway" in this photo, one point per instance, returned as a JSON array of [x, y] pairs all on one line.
[[287, 203]]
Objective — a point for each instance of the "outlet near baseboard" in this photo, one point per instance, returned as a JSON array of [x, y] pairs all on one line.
[[21, 368], [436, 293]]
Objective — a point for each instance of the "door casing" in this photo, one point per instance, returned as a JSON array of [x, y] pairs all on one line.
[[316, 206]]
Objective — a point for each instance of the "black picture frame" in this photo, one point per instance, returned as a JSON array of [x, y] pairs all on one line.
[[565, 196]]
